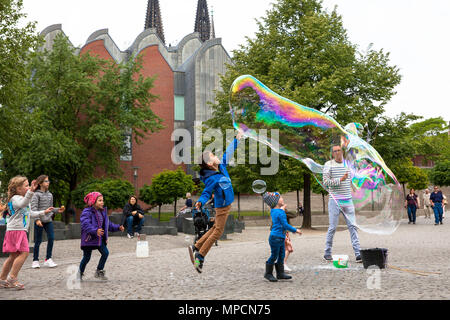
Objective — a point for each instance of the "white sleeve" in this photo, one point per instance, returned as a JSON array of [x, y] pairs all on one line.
[[22, 202]]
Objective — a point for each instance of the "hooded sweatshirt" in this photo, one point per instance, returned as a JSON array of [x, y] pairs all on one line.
[[219, 182], [41, 201]]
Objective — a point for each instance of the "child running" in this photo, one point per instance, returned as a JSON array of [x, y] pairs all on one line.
[[16, 241], [94, 233], [43, 199], [277, 236], [215, 176]]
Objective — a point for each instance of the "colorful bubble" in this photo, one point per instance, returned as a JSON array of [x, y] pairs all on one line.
[[308, 135]]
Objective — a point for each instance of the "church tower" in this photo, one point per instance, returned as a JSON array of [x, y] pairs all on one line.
[[202, 23], [153, 19]]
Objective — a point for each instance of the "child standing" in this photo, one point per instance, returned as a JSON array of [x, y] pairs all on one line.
[[16, 241], [277, 236], [94, 233], [215, 176], [43, 199]]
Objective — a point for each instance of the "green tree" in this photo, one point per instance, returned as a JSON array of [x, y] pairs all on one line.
[[418, 179], [17, 41], [303, 52], [80, 107], [167, 187], [440, 174], [116, 192]]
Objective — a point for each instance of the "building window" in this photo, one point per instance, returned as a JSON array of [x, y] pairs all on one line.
[[179, 108]]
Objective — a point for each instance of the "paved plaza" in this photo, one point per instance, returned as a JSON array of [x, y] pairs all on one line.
[[234, 269]]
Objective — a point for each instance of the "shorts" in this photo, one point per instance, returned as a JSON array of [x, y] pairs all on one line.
[[15, 241]]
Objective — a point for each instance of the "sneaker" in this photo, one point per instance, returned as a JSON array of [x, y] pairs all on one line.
[[287, 269], [414, 223], [198, 262], [100, 274], [35, 265], [328, 258], [49, 263], [136, 234], [436, 224], [129, 236], [358, 259], [441, 222], [409, 222], [80, 275]]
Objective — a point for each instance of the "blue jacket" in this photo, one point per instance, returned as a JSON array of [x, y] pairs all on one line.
[[219, 182], [280, 224]]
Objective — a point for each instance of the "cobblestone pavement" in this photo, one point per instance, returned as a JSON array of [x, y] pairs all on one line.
[[234, 269]]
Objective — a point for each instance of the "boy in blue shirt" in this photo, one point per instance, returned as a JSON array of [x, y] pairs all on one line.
[[277, 236], [215, 176]]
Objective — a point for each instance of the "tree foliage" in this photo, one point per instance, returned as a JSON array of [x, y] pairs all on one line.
[[116, 192], [440, 175], [17, 41]]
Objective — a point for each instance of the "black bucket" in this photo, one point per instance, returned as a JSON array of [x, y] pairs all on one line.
[[374, 256]]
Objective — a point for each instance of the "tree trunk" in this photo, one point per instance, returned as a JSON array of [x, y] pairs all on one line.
[[306, 201], [72, 186], [159, 212], [323, 203], [175, 208], [262, 205], [239, 205], [298, 201]]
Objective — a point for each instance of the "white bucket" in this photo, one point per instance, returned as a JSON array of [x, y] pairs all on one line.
[[340, 261], [142, 249]]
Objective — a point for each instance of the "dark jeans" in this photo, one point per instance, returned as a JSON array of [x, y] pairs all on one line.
[[412, 213], [277, 250], [130, 225], [48, 227], [438, 212], [87, 251]]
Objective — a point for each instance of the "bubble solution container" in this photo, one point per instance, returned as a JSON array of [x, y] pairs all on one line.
[[374, 256], [340, 261]]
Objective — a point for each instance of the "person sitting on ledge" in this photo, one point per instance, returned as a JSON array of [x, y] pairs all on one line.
[[133, 216]]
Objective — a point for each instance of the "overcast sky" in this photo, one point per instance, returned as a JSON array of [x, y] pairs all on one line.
[[415, 32]]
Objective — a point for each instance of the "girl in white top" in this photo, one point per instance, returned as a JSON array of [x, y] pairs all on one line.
[[16, 241]]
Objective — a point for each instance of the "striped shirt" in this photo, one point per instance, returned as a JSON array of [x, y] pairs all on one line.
[[332, 173]]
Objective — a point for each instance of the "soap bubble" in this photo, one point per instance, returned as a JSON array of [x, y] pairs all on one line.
[[225, 183], [259, 186], [308, 135]]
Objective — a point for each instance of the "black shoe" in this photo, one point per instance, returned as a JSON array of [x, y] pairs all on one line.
[[409, 222], [358, 259], [279, 267], [441, 222], [436, 224], [269, 273], [80, 275], [100, 274], [328, 258], [414, 223], [198, 262]]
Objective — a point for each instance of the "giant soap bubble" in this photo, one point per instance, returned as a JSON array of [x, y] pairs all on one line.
[[307, 135]]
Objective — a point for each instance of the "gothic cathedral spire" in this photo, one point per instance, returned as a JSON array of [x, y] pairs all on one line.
[[202, 24], [153, 19]]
